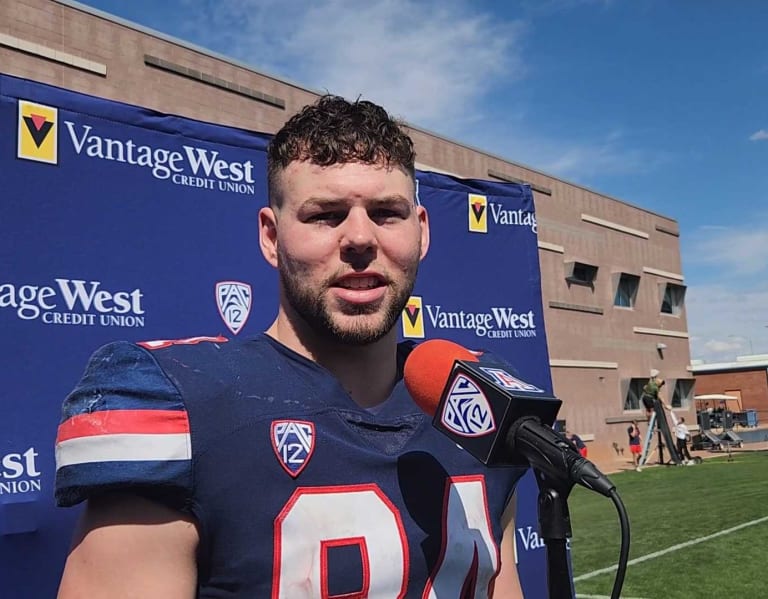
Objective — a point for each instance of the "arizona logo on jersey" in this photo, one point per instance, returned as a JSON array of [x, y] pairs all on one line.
[[293, 442], [466, 410]]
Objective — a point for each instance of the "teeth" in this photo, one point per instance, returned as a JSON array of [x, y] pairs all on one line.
[[360, 283]]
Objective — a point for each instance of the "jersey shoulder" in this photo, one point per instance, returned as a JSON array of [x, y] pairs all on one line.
[[124, 425]]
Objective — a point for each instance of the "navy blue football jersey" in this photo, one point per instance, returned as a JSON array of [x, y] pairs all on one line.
[[298, 492]]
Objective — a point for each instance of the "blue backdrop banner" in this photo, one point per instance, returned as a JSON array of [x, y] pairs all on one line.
[[122, 223]]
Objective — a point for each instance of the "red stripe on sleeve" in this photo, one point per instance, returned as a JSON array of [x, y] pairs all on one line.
[[112, 422]]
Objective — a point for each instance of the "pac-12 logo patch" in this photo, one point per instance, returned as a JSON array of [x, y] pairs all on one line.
[[466, 410], [37, 138], [293, 442], [233, 299]]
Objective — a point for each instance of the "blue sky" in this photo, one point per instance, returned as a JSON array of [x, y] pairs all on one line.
[[661, 104]]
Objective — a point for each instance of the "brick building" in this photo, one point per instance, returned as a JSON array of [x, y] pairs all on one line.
[[746, 379], [612, 281]]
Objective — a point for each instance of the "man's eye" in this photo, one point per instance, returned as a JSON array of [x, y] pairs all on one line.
[[326, 217], [383, 214]]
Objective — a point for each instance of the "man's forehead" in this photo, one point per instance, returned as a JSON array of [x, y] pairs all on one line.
[[330, 201], [315, 168], [307, 179]]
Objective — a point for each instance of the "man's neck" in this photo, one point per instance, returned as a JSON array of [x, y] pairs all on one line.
[[367, 372]]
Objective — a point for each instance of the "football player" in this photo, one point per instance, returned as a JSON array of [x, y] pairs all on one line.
[[293, 464]]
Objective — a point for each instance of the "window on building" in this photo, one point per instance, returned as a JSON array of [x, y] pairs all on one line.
[[672, 301], [580, 273], [635, 390], [682, 396], [626, 290]]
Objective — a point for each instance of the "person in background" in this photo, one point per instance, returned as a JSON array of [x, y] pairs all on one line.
[[650, 394], [578, 443], [682, 436], [635, 447]]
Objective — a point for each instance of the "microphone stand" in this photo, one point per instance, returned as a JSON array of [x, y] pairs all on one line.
[[557, 466], [555, 525]]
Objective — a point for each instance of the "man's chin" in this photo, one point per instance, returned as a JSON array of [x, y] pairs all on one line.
[[361, 329]]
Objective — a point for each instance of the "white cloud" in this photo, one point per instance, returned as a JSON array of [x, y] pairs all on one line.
[[725, 321], [428, 62], [582, 160], [738, 251], [759, 135], [586, 161], [727, 313], [438, 64]]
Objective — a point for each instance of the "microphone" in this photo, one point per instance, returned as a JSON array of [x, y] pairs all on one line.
[[495, 416]]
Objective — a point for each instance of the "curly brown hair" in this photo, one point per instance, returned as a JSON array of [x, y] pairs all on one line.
[[336, 131]]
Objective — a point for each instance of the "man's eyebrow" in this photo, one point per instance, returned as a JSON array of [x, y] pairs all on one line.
[[393, 199], [331, 202], [321, 202]]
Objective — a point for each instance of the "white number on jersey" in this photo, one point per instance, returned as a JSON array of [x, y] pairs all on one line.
[[316, 518]]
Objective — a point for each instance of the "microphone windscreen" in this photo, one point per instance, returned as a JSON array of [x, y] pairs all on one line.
[[427, 369]]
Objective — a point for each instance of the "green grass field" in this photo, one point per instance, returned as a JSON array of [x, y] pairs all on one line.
[[670, 510]]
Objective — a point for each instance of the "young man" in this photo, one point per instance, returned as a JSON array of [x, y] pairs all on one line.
[[651, 390], [682, 434], [578, 443], [634, 444], [293, 464]]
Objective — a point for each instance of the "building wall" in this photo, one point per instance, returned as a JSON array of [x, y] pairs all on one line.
[[752, 385], [123, 53], [595, 348]]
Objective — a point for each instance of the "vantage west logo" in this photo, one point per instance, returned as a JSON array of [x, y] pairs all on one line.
[[498, 322], [74, 302], [529, 538], [479, 209], [191, 165], [37, 137], [19, 473]]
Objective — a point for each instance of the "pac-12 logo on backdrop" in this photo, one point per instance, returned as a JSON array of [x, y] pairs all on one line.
[[233, 299], [293, 442], [37, 132], [413, 318], [477, 206]]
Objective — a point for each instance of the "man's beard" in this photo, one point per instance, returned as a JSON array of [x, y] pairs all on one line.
[[311, 305]]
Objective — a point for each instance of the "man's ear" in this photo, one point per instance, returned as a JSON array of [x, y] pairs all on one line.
[[424, 226], [268, 234]]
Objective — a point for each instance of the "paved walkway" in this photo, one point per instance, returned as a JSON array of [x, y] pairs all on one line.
[[621, 463]]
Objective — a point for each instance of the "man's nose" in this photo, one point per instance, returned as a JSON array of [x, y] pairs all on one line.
[[358, 233]]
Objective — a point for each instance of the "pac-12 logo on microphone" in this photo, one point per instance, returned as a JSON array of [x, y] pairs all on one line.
[[37, 138], [293, 442], [466, 411], [233, 299]]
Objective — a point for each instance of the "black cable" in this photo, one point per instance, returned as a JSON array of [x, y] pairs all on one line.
[[624, 551]]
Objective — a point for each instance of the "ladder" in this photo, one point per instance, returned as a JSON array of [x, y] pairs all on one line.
[[648, 441], [658, 424]]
